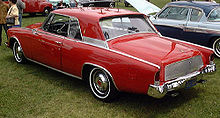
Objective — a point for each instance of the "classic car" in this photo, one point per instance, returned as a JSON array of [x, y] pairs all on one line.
[[68, 3], [36, 6], [114, 50], [193, 21]]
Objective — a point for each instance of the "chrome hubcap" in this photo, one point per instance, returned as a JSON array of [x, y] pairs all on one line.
[[100, 82], [18, 51]]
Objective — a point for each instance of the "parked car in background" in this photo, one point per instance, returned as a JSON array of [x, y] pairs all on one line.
[[97, 3], [36, 6], [113, 50], [192, 21], [69, 3]]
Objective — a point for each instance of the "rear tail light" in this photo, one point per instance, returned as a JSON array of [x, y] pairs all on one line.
[[157, 78], [211, 58]]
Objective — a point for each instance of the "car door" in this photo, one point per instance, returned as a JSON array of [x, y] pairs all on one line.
[[195, 30], [73, 49], [172, 21], [50, 39]]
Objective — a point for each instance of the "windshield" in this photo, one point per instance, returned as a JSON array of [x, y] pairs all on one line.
[[214, 15], [119, 26]]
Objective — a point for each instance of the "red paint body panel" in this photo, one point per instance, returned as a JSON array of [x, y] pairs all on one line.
[[129, 74]]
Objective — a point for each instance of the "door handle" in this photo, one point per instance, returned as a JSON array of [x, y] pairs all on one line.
[[34, 31], [58, 42], [182, 25]]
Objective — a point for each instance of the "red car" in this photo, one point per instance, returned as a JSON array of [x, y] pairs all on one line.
[[36, 6], [113, 50]]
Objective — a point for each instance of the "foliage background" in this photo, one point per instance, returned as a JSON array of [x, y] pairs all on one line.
[[30, 90]]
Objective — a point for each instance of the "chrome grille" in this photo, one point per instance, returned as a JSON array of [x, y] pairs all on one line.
[[183, 67]]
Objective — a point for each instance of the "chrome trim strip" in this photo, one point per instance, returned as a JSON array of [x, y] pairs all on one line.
[[54, 69], [168, 25], [188, 43], [135, 58], [88, 63]]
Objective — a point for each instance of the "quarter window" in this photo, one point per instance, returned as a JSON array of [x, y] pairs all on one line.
[[175, 13], [195, 15], [74, 31]]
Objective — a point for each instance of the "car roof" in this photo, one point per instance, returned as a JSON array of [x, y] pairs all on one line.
[[205, 6], [94, 13], [89, 18]]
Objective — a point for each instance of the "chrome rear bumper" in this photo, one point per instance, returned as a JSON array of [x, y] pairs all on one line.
[[159, 91]]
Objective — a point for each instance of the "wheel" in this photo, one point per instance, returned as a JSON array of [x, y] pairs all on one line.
[[101, 85], [216, 47], [18, 53], [46, 11]]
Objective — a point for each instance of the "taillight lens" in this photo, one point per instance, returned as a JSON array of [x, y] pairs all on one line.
[[157, 78], [211, 58]]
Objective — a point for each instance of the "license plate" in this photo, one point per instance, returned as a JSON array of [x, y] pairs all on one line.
[[190, 83]]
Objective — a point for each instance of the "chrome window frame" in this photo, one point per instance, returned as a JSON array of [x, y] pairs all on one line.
[[210, 14], [191, 14]]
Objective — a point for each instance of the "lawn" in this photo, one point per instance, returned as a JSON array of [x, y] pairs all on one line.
[[30, 90]]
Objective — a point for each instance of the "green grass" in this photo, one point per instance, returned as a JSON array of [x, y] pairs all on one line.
[[30, 90]]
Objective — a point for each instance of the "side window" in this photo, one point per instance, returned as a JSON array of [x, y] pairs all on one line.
[[57, 24], [175, 13], [195, 15], [214, 15], [74, 31]]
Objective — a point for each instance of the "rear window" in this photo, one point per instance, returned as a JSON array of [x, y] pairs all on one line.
[[124, 25]]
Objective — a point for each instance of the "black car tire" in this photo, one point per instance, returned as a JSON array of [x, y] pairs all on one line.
[[101, 85], [46, 11], [18, 53]]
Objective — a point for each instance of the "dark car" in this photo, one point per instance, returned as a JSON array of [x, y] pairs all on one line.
[[192, 21]]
